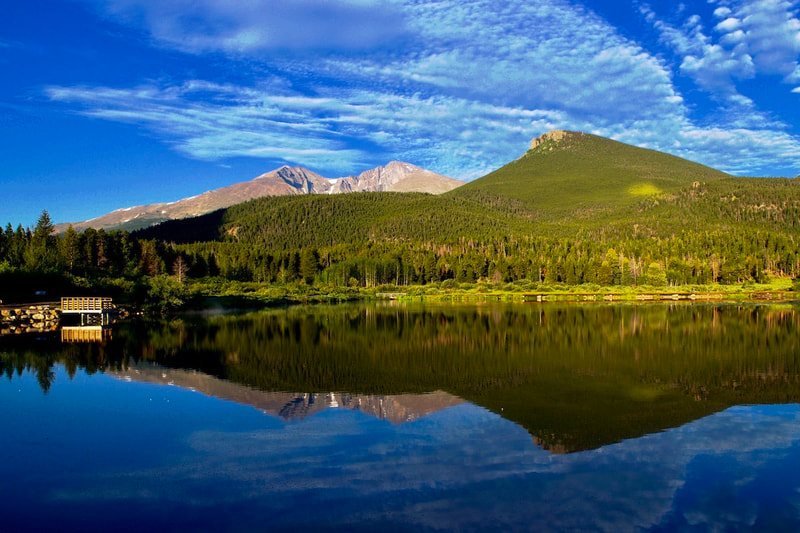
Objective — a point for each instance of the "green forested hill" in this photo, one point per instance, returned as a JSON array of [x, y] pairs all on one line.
[[575, 209], [570, 185], [574, 180], [287, 222], [569, 171], [578, 185]]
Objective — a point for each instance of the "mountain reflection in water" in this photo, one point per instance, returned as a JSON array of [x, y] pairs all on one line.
[[544, 417], [397, 409], [576, 377], [99, 454]]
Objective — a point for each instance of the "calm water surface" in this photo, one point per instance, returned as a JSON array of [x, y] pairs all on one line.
[[403, 417]]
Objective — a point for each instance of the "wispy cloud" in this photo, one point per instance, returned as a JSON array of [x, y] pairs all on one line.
[[472, 83], [199, 26], [212, 121], [320, 131]]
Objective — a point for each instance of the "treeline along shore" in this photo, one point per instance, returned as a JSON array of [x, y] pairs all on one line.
[[576, 214], [156, 275]]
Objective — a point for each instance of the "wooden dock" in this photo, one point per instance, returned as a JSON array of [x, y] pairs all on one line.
[[86, 306]]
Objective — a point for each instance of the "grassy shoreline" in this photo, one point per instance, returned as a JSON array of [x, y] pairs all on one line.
[[165, 294], [777, 290], [248, 295]]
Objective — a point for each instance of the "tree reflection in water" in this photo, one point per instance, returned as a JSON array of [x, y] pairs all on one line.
[[575, 376]]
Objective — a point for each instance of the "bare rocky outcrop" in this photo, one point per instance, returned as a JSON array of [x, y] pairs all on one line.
[[554, 136], [397, 177]]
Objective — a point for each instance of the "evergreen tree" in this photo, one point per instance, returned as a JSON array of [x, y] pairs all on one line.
[[41, 253], [605, 274], [69, 248], [655, 276], [309, 265], [3, 246]]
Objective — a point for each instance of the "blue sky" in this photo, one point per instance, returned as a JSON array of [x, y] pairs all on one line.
[[111, 103]]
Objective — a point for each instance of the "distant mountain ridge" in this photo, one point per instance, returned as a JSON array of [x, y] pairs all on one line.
[[396, 176], [567, 184]]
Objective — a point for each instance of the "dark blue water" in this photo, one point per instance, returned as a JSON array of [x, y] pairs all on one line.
[[409, 418], [101, 453]]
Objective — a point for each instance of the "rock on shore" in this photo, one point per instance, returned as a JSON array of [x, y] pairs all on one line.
[[33, 318]]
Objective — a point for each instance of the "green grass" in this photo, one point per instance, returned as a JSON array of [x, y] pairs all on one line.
[[779, 289], [585, 175], [644, 189], [241, 295]]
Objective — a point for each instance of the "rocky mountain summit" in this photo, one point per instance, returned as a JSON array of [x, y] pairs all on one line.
[[395, 176], [398, 177], [554, 136]]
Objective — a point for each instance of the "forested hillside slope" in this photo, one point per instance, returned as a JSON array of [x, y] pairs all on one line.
[[574, 209]]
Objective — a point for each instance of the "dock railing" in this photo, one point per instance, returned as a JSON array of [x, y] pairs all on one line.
[[86, 304]]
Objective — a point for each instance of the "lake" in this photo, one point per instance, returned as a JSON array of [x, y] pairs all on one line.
[[397, 417]]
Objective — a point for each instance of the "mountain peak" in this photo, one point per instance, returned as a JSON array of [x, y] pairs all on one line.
[[555, 136], [396, 176], [284, 170], [285, 180], [408, 167]]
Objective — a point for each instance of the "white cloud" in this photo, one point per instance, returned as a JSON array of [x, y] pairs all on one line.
[[475, 82], [728, 25], [713, 67], [772, 32], [722, 12], [740, 151], [228, 122], [755, 37], [535, 55], [199, 26], [320, 131]]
